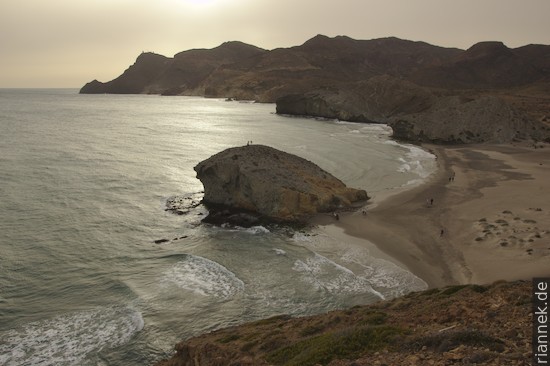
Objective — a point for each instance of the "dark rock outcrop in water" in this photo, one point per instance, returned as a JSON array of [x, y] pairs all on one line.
[[250, 181]]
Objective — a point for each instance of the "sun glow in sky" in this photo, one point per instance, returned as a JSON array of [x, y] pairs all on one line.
[[66, 43]]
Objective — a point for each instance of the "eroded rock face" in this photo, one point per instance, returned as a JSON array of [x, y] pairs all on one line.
[[264, 181], [376, 100], [459, 120], [418, 114]]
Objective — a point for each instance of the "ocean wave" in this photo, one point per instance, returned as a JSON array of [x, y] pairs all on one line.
[[416, 160], [376, 127], [367, 129], [302, 237], [68, 339], [325, 274], [204, 277], [257, 230], [386, 276], [254, 230], [279, 251]]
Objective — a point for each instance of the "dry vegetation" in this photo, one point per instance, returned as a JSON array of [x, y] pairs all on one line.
[[458, 325]]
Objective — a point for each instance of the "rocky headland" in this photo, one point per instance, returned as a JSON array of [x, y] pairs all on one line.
[[254, 183], [426, 93]]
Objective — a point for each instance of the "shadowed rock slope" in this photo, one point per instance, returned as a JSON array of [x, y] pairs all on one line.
[[260, 180], [421, 114], [182, 74], [235, 69], [466, 325]]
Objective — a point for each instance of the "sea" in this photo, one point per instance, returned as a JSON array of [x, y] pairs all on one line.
[[94, 270]]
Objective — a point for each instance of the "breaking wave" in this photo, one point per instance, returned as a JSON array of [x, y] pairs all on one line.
[[324, 274], [204, 277], [68, 339]]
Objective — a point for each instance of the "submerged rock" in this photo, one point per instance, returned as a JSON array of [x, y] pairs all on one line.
[[263, 182]]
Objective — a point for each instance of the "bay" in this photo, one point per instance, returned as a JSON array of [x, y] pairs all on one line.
[[83, 189]]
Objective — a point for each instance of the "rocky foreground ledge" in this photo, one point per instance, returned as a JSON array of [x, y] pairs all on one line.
[[458, 325], [256, 183]]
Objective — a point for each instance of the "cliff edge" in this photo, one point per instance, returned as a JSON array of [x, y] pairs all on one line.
[[458, 325]]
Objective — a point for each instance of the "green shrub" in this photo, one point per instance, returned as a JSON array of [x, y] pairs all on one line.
[[229, 338], [334, 345], [446, 341], [453, 289], [374, 318]]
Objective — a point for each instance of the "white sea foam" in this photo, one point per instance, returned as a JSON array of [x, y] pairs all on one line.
[[416, 160], [257, 230], [68, 339], [392, 142], [254, 230], [279, 251], [324, 274], [301, 237], [382, 274], [204, 277], [378, 128]]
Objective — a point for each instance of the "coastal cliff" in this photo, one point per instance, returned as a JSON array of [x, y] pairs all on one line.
[[418, 114], [245, 183], [179, 75], [426, 93]]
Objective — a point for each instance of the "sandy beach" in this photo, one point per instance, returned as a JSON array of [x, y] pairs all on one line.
[[489, 220]]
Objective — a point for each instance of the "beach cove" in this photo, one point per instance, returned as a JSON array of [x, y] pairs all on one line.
[[475, 244], [489, 219]]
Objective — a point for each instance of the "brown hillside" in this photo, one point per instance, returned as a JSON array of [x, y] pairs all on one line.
[[466, 325], [156, 74], [486, 65]]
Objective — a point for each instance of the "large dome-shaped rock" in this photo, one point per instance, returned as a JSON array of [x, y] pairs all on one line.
[[272, 184]]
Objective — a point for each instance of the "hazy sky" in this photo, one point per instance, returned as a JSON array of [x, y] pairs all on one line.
[[66, 43]]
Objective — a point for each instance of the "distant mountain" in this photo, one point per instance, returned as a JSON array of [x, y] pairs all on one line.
[[182, 74], [488, 92], [489, 65], [322, 62], [238, 70]]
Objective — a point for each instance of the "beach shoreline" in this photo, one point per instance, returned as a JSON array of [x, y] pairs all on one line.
[[489, 219]]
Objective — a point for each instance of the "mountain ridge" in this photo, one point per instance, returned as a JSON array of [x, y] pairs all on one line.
[[344, 72]]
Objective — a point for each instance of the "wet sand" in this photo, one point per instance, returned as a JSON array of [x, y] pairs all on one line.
[[491, 222]]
